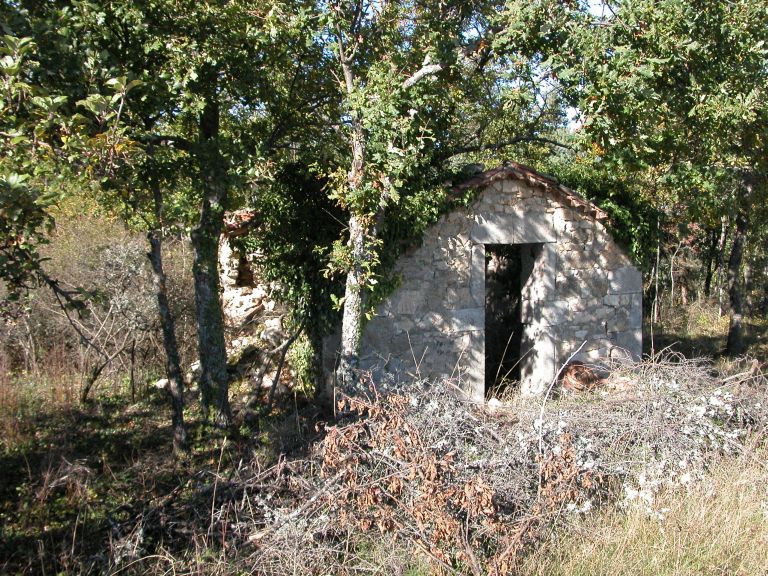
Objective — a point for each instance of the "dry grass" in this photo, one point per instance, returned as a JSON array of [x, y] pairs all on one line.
[[718, 526], [23, 395], [699, 329]]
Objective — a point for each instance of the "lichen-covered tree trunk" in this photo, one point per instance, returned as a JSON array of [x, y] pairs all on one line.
[[210, 322], [347, 374], [721, 262], [214, 383], [735, 345], [170, 345]]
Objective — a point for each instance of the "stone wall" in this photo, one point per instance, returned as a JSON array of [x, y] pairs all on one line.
[[582, 288], [250, 312]]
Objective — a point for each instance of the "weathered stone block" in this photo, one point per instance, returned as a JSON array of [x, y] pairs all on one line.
[[401, 324], [510, 187], [554, 312], [618, 324], [477, 274], [612, 300], [624, 280], [635, 311], [456, 297], [466, 320], [611, 256], [568, 284], [537, 366], [578, 304], [409, 301], [432, 321], [521, 227]]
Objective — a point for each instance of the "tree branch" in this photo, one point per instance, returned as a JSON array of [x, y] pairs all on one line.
[[165, 140], [424, 71], [283, 349]]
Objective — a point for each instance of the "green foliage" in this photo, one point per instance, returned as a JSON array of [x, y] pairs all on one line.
[[29, 130], [676, 86], [298, 224], [301, 359], [678, 77]]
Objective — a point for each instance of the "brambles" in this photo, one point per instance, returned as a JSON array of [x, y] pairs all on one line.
[[474, 492]]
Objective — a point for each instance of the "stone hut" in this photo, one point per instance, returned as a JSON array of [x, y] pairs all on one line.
[[507, 289]]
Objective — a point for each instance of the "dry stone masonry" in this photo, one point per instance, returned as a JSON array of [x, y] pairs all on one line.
[[510, 286]]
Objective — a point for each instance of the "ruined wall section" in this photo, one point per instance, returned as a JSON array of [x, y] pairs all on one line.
[[583, 288]]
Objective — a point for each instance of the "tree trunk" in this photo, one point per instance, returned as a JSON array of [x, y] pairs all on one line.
[[351, 325], [133, 371], [710, 264], [655, 314], [750, 305], [214, 385], [721, 262], [170, 345], [96, 370], [672, 276], [735, 344], [90, 380], [347, 374]]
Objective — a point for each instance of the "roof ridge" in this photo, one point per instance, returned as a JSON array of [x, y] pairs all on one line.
[[525, 173]]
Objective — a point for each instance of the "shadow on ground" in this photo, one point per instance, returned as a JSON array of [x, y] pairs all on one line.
[[81, 479]]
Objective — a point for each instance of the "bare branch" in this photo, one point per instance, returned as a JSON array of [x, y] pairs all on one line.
[[283, 349], [423, 72]]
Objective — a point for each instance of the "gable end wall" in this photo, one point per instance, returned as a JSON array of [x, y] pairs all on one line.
[[583, 289]]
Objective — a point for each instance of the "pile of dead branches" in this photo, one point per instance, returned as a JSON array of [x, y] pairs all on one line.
[[471, 490]]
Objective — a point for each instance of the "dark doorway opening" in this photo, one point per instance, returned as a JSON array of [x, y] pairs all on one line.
[[245, 275], [508, 269]]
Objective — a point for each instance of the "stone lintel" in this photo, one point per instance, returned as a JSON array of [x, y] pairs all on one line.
[[518, 228]]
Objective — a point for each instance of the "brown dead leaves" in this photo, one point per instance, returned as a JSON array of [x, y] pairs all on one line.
[[393, 483]]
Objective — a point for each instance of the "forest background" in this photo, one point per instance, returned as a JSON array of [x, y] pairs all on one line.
[[129, 129]]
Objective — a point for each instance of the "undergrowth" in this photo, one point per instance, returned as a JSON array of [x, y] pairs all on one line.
[[401, 481]]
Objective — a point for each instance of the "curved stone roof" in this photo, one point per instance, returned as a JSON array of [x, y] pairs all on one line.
[[240, 222], [515, 171]]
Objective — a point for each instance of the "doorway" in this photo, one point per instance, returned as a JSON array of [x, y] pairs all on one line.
[[508, 270]]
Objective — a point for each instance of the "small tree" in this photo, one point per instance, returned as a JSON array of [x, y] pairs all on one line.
[[396, 66], [33, 170]]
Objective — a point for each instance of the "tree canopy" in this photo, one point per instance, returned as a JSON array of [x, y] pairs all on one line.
[[346, 120]]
